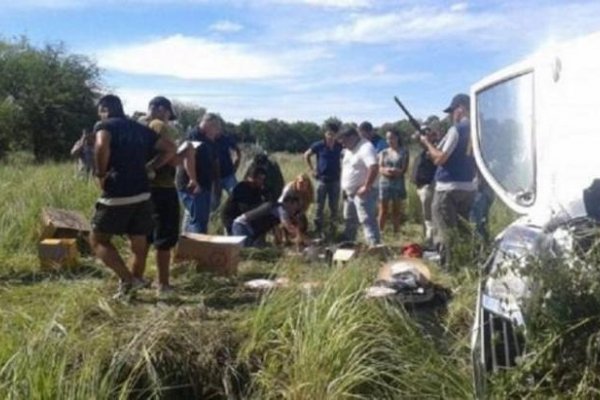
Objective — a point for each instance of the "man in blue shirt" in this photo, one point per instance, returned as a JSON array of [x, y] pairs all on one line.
[[121, 151], [327, 173], [366, 131], [225, 144]]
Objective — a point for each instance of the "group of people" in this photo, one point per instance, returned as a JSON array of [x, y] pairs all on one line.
[[145, 175]]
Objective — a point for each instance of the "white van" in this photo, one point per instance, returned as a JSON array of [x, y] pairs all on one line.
[[537, 143]]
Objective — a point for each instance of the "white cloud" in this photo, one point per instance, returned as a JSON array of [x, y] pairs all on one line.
[[330, 3], [376, 76], [192, 58], [65, 4], [379, 69], [459, 7], [413, 24], [226, 27]]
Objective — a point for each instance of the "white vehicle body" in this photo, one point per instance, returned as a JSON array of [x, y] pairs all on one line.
[[537, 144]]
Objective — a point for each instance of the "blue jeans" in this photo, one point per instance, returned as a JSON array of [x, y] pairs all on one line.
[[327, 191], [479, 213], [241, 229], [227, 183], [197, 210], [362, 210]]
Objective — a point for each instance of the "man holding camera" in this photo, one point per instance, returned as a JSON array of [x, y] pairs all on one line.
[[454, 177]]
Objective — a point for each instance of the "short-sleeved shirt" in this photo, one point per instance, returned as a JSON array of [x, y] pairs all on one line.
[[224, 145], [328, 161], [205, 162], [393, 159], [131, 147], [379, 143], [165, 175], [355, 165]]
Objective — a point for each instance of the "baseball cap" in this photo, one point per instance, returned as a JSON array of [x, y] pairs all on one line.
[[460, 99], [159, 101]]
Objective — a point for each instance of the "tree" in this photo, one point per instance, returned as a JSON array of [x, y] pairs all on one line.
[[52, 94], [188, 114]]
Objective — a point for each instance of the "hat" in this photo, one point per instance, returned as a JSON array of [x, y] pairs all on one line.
[[460, 99], [159, 101]]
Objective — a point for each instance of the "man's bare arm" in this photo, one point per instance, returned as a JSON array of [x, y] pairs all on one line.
[[307, 157], [437, 156], [238, 158], [102, 155], [372, 175], [166, 151]]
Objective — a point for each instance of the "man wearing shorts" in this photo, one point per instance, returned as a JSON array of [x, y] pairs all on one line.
[[121, 151], [164, 195]]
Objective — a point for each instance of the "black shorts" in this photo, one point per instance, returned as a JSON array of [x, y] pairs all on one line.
[[166, 218], [130, 219]]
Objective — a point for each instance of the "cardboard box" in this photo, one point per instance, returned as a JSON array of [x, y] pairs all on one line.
[[64, 224], [58, 253], [218, 254]]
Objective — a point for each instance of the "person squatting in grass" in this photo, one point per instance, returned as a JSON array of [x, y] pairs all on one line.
[[295, 227], [256, 223], [122, 149], [327, 173], [359, 173], [393, 162], [197, 201], [245, 196], [163, 192]]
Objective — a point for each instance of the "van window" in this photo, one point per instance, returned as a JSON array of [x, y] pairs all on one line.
[[505, 135]]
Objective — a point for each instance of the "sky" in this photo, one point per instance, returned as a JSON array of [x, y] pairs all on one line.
[[299, 59]]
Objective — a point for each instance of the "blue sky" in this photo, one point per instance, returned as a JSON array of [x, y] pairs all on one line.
[[299, 59]]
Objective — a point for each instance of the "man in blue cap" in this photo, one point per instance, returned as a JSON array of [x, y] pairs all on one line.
[[454, 178]]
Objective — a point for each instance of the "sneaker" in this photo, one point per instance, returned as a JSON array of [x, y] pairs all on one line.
[[124, 291], [166, 292], [140, 283]]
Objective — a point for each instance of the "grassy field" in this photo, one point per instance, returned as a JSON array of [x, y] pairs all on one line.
[[62, 337]]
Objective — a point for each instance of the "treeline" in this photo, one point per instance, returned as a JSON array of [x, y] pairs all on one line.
[[47, 96]]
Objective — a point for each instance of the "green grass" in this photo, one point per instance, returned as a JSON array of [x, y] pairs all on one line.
[[62, 337]]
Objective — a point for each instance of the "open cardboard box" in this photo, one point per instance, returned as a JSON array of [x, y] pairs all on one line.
[[60, 223], [211, 253]]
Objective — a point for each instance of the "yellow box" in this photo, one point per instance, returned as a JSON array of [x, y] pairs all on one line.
[[58, 253]]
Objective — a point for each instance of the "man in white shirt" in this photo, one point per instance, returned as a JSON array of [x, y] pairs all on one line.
[[359, 174]]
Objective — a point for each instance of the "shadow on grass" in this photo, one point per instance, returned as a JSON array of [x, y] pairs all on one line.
[[85, 271]]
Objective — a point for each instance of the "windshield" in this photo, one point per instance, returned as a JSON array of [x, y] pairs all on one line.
[[505, 135]]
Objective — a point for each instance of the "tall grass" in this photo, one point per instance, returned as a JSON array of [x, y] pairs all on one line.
[[336, 344], [60, 336], [24, 190]]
